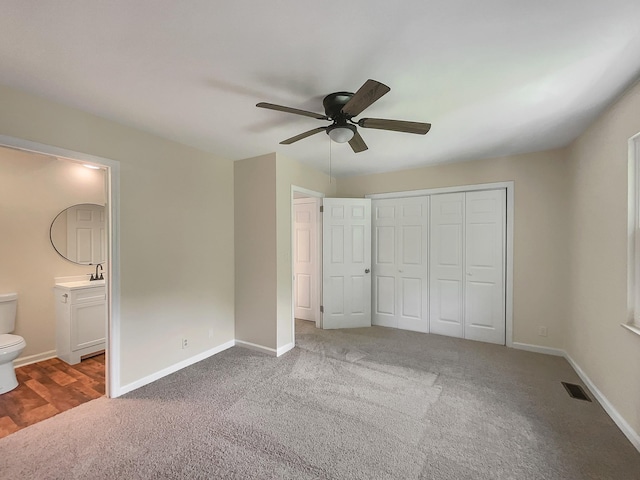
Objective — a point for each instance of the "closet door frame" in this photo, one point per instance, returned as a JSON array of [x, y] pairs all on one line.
[[509, 187]]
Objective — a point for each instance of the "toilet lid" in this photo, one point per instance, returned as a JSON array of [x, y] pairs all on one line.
[[8, 340]]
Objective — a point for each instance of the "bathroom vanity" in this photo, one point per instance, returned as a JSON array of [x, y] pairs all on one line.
[[81, 317]]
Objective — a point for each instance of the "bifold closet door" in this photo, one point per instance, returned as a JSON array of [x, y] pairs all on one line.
[[446, 264], [467, 262], [400, 234], [485, 247]]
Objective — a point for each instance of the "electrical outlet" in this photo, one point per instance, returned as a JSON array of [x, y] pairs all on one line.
[[542, 331], [211, 333], [185, 343]]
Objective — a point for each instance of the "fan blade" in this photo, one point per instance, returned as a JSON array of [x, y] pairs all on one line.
[[295, 111], [357, 143], [364, 97], [291, 140], [395, 125]]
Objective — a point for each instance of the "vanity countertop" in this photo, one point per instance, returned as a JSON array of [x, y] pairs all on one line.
[[78, 284]]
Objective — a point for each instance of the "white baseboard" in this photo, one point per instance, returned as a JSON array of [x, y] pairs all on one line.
[[172, 369], [267, 350], [629, 432], [257, 348], [22, 361], [285, 349], [539, 349]]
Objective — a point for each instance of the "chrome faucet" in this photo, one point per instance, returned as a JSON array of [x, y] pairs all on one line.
[[96, 277]]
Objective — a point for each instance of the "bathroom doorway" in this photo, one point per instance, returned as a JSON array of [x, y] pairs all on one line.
[[32, 275]]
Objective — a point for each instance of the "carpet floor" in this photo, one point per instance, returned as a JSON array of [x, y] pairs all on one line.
[[370, 403]]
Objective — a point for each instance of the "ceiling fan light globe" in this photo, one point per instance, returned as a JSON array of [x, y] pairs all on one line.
[[341, 134]]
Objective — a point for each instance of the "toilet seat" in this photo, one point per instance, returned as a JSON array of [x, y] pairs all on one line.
[[7, 340]]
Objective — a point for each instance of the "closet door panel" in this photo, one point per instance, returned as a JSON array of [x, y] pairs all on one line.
[[384, 263], [485, 265], [400, 235], [446, 264], [412, 294]]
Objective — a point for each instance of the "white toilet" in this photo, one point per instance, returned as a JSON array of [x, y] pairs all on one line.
[[11, 346]]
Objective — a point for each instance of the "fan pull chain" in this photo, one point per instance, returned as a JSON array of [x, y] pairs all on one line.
[[330, 160]]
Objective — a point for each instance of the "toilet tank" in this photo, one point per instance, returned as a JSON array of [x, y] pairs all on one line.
[[8, 303]]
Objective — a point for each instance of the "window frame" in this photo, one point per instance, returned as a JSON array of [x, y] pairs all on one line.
[[633, 257]]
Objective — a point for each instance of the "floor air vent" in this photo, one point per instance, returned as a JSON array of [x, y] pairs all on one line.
[[576, 391]]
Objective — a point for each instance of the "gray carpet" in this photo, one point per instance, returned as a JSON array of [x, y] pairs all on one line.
[[352, 404]]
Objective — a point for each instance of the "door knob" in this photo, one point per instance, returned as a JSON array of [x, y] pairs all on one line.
[[366, 270]]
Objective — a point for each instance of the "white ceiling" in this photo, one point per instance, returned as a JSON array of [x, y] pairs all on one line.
[[494, 77]]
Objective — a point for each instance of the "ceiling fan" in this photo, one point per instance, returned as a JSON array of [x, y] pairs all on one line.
[[341, 107]]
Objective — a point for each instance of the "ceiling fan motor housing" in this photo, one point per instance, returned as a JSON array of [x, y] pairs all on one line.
[[333, 104]]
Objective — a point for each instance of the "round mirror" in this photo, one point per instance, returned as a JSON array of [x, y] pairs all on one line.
[[78, 233]]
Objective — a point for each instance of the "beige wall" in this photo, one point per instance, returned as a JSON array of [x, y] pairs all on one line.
[[291, 172], [33, 190], [176, 231], [255, 251], [608, 353], [540, 229], [263, 245]]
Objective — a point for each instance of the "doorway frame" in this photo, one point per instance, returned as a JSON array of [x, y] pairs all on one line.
[[509, 187], [112, 168], [305, 192]]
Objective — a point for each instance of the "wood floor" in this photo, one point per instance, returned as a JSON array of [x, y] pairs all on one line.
[[47, 388]]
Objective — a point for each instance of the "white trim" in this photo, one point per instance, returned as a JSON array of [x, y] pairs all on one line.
[[509, 187], [622, 424], [305, 191], [631, 328], [285, 349], [436, 191], [556, 352], [268, 350], [633, 224], [258, 348], [175, 367], [509, 265], [113, 266], [39, 357]]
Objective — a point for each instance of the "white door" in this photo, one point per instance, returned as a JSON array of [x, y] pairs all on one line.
[[484, 317], [400, 263], [305, 268], [446, 272], [346, 263], [467, 252], [86, 234]]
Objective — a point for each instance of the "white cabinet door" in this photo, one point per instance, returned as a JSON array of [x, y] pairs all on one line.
[[346, 257], [88, 324], [305, 266], [446, 264], [485, 263], [400, 263]]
